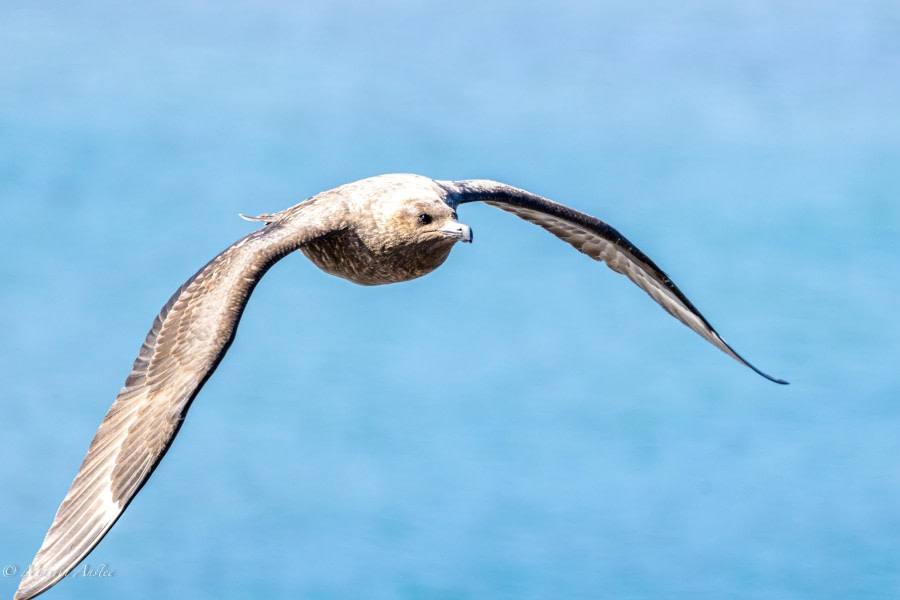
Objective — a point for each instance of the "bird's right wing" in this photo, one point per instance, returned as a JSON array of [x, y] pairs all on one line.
[[184, 346]]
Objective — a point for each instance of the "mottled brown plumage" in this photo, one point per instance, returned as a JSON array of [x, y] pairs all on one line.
[[380, 230]]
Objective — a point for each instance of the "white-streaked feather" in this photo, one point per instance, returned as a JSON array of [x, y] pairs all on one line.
[[622, 261]]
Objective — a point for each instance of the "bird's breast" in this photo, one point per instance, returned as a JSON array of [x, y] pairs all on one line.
[[344, 254]]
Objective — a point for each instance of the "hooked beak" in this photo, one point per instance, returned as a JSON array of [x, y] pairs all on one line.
[[457, 231]]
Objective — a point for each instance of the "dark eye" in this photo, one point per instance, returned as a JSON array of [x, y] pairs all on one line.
[[424, 218]]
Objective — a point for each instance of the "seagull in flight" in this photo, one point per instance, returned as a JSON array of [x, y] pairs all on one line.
[[379, 230]]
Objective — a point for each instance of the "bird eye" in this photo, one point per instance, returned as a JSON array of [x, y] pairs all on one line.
[[424, 218]]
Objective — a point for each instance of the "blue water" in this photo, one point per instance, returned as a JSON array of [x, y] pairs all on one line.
[[523, 423]]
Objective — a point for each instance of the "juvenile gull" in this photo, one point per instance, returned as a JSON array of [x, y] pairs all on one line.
[[379, 230]]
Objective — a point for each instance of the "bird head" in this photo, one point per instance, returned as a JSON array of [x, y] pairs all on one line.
[[408, 210], [398, 227]]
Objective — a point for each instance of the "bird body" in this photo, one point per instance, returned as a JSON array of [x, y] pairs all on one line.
[[375, 231], [370, 231]]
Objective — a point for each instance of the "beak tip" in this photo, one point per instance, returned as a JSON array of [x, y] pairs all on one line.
[[458, 231]]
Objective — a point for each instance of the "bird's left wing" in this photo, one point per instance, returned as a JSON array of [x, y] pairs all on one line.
[[599, 241]]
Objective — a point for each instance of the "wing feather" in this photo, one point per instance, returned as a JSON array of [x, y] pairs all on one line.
[[600, 241], [182, 349]]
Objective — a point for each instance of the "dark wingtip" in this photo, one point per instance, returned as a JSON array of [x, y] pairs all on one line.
[[770, 378], [747, 363], [766, 375]]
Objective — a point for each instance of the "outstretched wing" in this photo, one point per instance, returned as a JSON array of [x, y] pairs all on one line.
[[601, 242], [188, 339]]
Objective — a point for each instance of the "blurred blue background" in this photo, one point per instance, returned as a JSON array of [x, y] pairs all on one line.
[[523, 423]]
